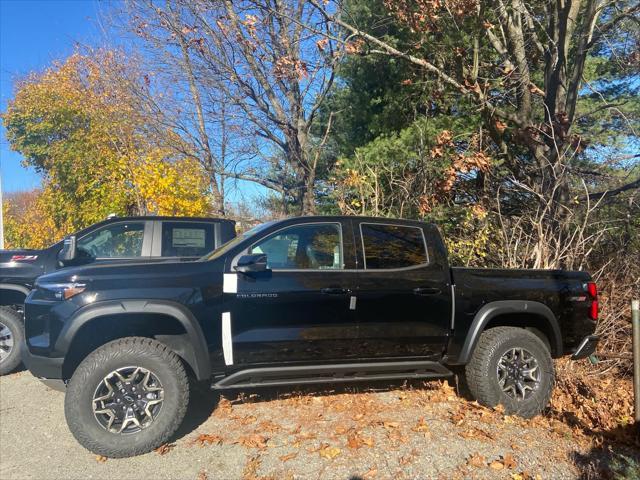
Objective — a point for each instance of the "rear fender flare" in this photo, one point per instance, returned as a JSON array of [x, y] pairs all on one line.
[[494, 309], [197, 355]]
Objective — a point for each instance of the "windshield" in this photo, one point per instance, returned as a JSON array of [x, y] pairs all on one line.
[[225, 247]]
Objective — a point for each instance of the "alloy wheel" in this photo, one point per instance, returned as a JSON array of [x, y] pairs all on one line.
[[128, 400], [6, 342], [518, 373]]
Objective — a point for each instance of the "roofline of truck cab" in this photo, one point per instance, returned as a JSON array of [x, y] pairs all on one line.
[[353, 217], [162, 218], [144, 218]]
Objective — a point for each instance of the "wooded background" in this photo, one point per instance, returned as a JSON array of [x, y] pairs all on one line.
[[512, 125]]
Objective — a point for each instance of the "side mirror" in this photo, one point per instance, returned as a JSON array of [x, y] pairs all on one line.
[[71, 254], [252, 263], [69, 250]]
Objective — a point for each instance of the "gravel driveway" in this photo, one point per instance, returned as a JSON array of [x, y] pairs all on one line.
[[405, 432]]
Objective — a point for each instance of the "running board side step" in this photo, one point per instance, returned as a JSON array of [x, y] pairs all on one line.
[[333, 373]]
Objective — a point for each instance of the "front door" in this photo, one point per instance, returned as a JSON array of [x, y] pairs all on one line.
[[403, 301], [299, 309]]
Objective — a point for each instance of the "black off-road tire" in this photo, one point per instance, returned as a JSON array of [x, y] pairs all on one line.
[[12, 320], [482, 377], [130, 351]]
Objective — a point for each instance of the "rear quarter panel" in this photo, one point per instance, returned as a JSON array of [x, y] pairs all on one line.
[[559, 290]]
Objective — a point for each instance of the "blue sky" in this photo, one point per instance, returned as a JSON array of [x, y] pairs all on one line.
[[33, 33]]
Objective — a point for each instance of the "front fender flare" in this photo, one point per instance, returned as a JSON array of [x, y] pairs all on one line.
[[494, 309], [197, 356], [23, 289]]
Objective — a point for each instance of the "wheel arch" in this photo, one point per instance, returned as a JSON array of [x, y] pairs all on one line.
[[533, 316], [168, 322], [12, 294]]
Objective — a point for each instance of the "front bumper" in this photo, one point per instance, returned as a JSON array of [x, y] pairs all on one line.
[[47, 369], [586, 348]]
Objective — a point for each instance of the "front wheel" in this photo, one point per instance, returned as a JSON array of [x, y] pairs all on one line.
[[512, 367], [127, 398], [11, 339]]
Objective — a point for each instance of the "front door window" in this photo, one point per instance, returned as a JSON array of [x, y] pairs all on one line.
[[303, 247], [118, 240]]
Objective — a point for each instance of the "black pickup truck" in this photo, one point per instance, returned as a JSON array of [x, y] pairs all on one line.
[[293, 302], [116, 239]]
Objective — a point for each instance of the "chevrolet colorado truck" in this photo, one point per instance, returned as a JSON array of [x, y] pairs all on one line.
[[293, 302], [121, 239]]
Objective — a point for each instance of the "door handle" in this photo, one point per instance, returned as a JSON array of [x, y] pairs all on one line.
[[335, 291], [424, 291]]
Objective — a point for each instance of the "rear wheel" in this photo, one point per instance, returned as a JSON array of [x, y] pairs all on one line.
[[11, 339], [127, 398], [512, 367]]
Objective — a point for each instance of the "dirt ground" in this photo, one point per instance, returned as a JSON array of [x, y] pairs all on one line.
[[416, 431]]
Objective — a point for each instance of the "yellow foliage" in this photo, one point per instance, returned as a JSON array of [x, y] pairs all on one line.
[[172, 188], [27, 223], [474, 238], [80, 124]]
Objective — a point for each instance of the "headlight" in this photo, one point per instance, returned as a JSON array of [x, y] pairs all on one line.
[[62, 291]]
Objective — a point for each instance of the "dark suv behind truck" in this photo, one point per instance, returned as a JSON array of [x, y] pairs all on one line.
[[299, 301], [117, 239]]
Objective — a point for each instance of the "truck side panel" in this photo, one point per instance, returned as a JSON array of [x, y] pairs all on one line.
[[563, 292]]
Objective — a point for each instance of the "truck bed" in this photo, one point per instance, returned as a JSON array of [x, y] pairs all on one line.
[[562, 291]]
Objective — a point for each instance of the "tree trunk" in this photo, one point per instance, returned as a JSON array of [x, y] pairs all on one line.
[[309, 195]]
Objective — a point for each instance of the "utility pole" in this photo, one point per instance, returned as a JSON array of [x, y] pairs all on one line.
[[1, 219], [635, 320]]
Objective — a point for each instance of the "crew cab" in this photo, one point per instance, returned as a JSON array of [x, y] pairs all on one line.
[[298, 301], [116, 239]]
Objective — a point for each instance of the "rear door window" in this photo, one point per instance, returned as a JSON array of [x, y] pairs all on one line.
[[392, 246], [185, 239]]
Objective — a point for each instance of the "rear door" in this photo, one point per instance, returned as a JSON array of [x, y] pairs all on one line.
[[403, 299], [299, 309]]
